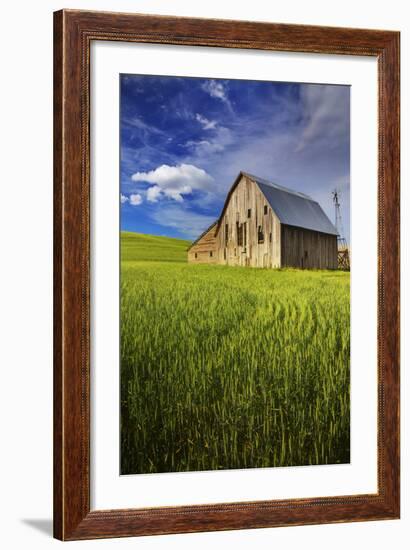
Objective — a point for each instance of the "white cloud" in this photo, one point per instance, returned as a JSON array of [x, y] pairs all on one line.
[[174, 181], [203, 147], [206, 124], [124, 199], [136, 200], [153, 193], [176, 193], [217, 90], [186, 221]]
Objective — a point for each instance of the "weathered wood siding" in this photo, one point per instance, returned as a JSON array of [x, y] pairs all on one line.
[[247, 251], [302, 248], [204, 250]]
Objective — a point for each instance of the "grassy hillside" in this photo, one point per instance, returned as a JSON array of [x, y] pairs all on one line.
[[138, 247], [226, 367]]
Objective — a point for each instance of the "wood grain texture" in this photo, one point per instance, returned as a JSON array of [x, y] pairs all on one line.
[[305, 249], [58, 277], [255, 252], [73, 32], [203, 250]]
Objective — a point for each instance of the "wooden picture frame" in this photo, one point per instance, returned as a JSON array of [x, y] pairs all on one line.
[[73, 33]]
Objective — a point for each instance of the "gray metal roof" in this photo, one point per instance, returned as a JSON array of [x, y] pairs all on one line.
[[294, 208]]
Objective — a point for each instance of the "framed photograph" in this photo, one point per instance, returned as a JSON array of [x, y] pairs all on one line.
[[226, 275]]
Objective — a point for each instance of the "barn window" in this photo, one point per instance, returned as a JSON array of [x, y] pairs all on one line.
[[249, 212], [211, 254], [234, 251], [244, 234], [196, 255], [224, 253], [239, 234], [270, 237], [226, 233], [306, 254], [265, 209], [261, 236]]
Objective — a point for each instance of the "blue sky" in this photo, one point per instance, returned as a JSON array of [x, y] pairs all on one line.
[[184, 140]]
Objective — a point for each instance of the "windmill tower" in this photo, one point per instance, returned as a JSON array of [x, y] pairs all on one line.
[[342, 248]]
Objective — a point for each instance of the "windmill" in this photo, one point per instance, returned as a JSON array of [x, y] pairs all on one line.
[[343, 257]]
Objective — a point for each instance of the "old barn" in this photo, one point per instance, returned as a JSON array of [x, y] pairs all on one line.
[[263, 224]]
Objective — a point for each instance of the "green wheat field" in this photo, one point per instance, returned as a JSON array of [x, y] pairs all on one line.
[[227, 367]]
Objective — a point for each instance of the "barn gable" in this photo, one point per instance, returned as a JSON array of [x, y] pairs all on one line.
[[248, 232], [203, 249], [207, 230]]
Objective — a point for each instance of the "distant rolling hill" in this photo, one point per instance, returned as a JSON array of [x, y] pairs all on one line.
[[150, 248]]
